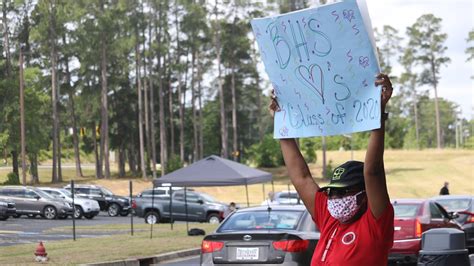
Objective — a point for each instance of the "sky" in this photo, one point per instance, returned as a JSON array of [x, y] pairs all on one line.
[[457, 20]]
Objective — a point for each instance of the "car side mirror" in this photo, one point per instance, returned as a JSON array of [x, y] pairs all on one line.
[[200, 201], [37, 197], [453, 215]]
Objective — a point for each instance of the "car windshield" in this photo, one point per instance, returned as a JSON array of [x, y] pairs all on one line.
[[262, 220], [107, 192], [405, 210], [455, 204], [66, 192], [208, 198], [44, 194]]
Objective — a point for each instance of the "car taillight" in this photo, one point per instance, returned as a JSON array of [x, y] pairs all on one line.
[[134, 204], [417, 228], [211, 246], [221, 214], [470, 219], [291, 245]]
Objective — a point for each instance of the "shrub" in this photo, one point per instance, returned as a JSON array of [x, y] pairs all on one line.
[[266, 153], [12, 179], [174, 163]]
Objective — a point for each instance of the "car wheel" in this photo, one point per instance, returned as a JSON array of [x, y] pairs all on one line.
[[50, 212], [152, 217], [113, 210], [78, 212], [3, 218], [124, 213], [89, 216], [213, 218]]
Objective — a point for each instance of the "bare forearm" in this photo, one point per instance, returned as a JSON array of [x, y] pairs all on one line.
[[299, 173], [294, 161], [375, 150]]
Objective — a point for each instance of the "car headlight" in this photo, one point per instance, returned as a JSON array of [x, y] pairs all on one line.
[[67, 204]]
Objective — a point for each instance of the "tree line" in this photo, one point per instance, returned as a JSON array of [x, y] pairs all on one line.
[[171, 81]]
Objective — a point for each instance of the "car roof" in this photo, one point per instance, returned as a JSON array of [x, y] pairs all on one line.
[[408, 201], [83, 186], [18, 187], [274, 208], [453, 197]]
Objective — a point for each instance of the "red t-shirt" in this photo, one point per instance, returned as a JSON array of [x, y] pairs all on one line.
[[366, 241]]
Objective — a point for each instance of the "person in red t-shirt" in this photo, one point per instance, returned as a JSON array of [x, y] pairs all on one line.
[[353, 213]]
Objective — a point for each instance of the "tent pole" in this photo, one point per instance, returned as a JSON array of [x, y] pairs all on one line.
[[186, 209], [171, 207], [247, 192], [263, 191]]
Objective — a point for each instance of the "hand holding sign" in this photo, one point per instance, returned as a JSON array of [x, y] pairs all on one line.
[[321, 61]]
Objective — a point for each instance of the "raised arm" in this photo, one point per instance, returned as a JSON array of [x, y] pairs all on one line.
[[297, 168], [299, 173], [374, 171]]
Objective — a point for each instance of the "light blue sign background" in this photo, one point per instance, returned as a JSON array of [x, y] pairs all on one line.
[[322, 65]]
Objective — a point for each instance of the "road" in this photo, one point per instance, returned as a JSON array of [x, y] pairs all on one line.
[[32, 230], [188, 261]]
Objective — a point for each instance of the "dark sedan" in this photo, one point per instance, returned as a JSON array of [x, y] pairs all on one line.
[[463, 206], [262, 235]]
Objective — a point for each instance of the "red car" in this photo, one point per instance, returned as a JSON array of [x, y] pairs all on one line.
[[412, 218]]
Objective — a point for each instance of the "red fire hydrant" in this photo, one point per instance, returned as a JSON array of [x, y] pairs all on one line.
[[40, 253]]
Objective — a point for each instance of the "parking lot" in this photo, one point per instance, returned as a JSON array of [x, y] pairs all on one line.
[[32, 230]]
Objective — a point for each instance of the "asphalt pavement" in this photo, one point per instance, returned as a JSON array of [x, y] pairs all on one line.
[[25, 230], [189, 261]]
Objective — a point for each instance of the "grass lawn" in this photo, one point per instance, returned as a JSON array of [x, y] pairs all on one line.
[[88, 250]]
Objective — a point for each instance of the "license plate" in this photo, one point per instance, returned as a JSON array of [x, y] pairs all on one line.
[[247, 254]]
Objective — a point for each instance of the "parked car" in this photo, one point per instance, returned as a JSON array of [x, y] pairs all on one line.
[[283, 197], [31, 201], [280, 234], [463, 209], [83, 207], [201, 207], [7, 209], [159, 192], [412, 218], [113, 204]]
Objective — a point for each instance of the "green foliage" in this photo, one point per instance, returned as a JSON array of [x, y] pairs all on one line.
[[266, 153], [12, 179], [329, 170], [174, 163], [308, 148]]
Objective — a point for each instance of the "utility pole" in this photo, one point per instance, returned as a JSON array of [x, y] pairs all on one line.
[[22, 120]]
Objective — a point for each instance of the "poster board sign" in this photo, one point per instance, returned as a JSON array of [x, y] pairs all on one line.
[[322, 64]]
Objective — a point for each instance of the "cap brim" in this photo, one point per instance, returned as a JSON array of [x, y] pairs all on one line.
[[342, 185]]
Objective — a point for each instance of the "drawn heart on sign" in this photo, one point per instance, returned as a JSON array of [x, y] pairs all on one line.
[[313, 79]]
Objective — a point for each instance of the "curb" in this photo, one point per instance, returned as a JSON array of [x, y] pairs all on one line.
[[149, 260]]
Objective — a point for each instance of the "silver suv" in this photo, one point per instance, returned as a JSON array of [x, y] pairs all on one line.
[[31, 201]]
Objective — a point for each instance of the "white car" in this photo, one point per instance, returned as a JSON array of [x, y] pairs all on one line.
[[84, 207], [283, 198]]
